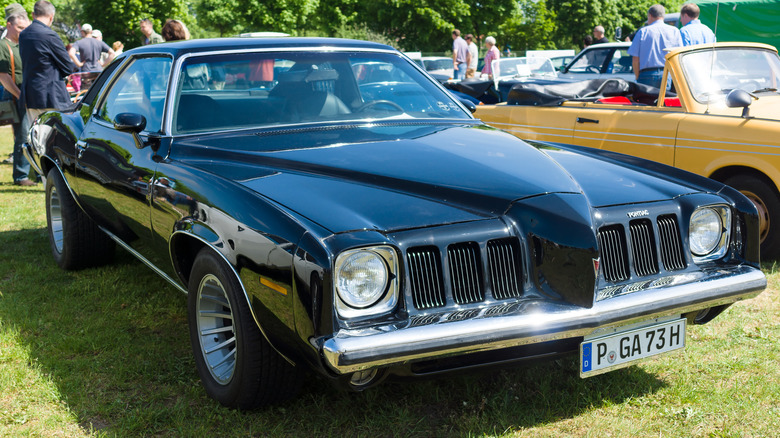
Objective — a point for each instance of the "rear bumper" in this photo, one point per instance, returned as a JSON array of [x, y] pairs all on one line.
[[531, 322]]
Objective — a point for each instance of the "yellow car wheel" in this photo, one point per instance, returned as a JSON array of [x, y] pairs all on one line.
[[767, 202]]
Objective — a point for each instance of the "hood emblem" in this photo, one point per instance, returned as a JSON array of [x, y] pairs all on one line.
[[638, 213]]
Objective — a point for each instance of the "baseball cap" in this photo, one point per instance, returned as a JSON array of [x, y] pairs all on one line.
[[13, 8], [86, 28]]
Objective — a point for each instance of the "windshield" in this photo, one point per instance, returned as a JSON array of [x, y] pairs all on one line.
[[524, 67], [711, 79], [232, 91], [438, 64]]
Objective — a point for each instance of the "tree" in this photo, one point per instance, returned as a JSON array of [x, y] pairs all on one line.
[[118, 19], [529, 28], [577, 18], [221, 16]]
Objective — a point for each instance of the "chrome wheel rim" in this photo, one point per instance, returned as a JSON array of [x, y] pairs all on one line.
[[55, 219], [216, 329]]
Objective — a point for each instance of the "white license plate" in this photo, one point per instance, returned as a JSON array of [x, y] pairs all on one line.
[[604, 353]]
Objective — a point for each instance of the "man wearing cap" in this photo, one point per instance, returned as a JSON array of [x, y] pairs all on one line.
[[45, 64], [11, 77], [89, 50]]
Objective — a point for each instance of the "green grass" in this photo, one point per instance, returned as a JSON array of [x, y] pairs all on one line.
[[105, 352]]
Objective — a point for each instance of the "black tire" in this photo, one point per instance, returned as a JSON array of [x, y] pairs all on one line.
[[76, 241], [241, 370], [767, 201]]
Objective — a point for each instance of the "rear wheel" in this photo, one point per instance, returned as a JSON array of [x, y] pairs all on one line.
[[237, 365], [766, 200], [76, 241]]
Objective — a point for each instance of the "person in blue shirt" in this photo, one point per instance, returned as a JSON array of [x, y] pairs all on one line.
[[693, 31], [649, 44]]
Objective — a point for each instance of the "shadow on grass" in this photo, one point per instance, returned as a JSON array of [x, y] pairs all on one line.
[[114, 342]]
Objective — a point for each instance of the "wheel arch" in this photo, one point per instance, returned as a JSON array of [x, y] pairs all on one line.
[[184, 247], [727, 172]]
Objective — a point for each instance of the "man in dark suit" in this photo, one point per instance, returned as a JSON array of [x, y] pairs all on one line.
[[45, 64]]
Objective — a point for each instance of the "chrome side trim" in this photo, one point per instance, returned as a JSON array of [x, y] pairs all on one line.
[[532, 322], [28, 155], [144, 260]]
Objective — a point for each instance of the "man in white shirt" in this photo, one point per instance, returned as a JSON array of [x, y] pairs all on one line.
[[473, 57]]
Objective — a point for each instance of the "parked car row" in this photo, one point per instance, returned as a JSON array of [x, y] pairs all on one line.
[[722, 122], [328, 206]]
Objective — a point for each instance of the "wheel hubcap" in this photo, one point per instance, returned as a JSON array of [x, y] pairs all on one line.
[[216, 329], [763, 213], [55, 219]]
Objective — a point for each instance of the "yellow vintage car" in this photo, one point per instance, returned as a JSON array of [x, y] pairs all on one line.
[[723, 122]]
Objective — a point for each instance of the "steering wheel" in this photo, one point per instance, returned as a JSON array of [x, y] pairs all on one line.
[[367, 105], [593, 69]]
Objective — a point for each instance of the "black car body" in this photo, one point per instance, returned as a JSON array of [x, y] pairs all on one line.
[[320, 219]]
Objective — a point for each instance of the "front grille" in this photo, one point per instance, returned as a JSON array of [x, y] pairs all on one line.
[[643, 247], [465, 278], [425, 277], [671, 243], [612, 241], [505, 273], [466, 282], [644, 250]]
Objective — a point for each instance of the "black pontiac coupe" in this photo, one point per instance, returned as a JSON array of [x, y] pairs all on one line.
[[326, 205]]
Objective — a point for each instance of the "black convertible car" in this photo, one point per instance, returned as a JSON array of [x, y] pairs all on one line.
[[326, 205]]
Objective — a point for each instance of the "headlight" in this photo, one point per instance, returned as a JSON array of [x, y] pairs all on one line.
[[709, 232], [365, 281]]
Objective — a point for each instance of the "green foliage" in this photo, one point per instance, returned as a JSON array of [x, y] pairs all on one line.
[[118, 19], [529, 29], [362, 32]]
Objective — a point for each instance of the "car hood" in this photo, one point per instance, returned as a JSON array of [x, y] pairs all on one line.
[[408, 176]]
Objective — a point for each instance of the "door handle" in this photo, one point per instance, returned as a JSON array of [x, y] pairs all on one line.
[[584, 120], [81, 146]]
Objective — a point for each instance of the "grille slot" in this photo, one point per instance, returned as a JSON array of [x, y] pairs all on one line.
[[612, 240], [506, 275], [671, 244], [643, 247], [425, 277], [465, 275]]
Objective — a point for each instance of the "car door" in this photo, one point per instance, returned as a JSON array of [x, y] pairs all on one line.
[[115, 169], [648, 133]]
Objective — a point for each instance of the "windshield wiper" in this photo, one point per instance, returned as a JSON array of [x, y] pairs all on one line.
[[765, 90]]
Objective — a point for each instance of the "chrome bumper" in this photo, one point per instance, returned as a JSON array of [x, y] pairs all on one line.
[[534, 321]]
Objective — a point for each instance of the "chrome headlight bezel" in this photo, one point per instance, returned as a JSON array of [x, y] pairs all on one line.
[[716, 218], [383, 299]]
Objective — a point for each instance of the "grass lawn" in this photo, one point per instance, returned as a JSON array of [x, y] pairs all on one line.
[[105, 352]]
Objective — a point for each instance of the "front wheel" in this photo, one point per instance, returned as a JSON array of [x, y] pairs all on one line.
[[237, 365], [766, 200], [76, 241]]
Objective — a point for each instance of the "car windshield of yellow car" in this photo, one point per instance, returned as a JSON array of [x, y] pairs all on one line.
[[711, 74], [245, 90]]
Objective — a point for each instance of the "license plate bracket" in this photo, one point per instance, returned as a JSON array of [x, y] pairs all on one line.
[[606, 352]]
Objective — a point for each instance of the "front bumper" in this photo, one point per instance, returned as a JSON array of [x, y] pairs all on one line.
[[533, 321]]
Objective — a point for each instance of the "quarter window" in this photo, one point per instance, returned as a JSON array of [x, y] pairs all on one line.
[[139, 89]]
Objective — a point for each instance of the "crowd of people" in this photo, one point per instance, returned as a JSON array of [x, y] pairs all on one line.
[[34, 65]]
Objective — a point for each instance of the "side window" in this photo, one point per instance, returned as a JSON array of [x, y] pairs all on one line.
[[590, 62], [621, 62], [139, 89]]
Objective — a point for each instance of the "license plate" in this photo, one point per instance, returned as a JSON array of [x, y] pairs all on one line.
[[603, 353]]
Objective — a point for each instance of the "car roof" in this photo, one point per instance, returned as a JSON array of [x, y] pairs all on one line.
[[607, 45], [178, 48]]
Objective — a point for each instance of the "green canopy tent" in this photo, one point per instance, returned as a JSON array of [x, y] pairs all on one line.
[[743, 20]]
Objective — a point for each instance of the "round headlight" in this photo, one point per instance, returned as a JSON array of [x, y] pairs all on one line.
[[705, 232], [361, 278]]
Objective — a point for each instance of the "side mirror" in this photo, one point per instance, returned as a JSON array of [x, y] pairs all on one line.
[[740, 99], [618, 33], [130, 122], [469, 105]]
